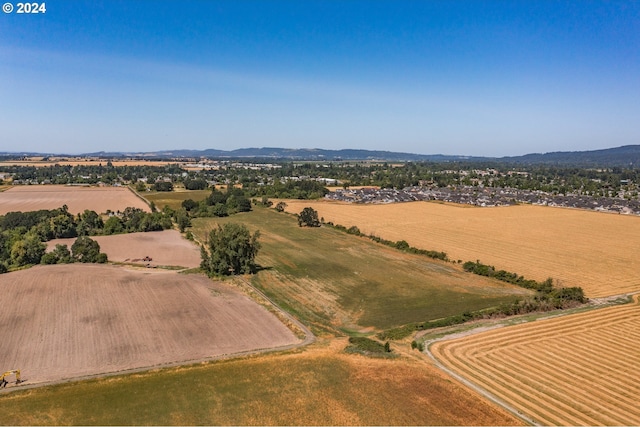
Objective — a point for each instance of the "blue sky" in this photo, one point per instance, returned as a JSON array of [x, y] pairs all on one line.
[[490, 78]]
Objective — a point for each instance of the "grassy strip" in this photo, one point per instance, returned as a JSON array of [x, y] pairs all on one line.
[[548, 298], [368, 347], [400, 244]]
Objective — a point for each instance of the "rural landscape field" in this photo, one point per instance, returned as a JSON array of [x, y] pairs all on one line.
[[338, 284], [99, 199], [74, 321], [81, 321], [580, 369], [320, 213], [595, 251], [159, 248]]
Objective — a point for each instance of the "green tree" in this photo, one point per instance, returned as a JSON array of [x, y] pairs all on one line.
[[281, 206], [28, 250], [59, 255], [231, 250], [89, 223], [182, 219], [162, 186], [189, 204], [85, 249], [113, 225], [308, 218], [63, 226]]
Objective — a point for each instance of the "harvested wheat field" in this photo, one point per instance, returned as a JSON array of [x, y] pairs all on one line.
[[68, 321], [594, 250], [165, 248], [580, 369], [26, 198]]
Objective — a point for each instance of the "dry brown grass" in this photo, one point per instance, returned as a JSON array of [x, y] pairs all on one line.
[[576, 370], [593, 250], [26, 198], [319, 385]]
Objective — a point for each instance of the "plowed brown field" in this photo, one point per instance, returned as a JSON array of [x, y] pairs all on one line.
[[26, 198], [594, 250], [68, 321], [581, 369], [164, 247]]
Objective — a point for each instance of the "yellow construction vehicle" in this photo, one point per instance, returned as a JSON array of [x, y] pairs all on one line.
[[3, 378]]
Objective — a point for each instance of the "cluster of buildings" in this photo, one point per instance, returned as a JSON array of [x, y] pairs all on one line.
[[486, 197]]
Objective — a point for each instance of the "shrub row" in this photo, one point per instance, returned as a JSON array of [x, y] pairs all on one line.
[[400, 245], [547, 298], [367, 346]]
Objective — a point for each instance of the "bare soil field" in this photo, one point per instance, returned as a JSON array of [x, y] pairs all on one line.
[[579, 369], [68, 321], [594, 250], [165, 248], [26, 198]]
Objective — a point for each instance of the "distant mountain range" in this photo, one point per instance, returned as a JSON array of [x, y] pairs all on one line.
[[626, 156]]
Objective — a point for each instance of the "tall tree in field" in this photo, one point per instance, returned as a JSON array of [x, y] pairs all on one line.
[[308, 218], [232, 249], [85, 249]]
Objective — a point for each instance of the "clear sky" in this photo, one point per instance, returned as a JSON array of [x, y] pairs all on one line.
[[491, 78]]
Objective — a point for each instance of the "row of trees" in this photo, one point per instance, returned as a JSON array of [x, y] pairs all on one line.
[[218, 204], [22, 234], [301, 180]]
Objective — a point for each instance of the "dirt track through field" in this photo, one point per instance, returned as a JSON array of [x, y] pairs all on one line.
[[580, 369], [594, 250], [69, 321], [26, 198]]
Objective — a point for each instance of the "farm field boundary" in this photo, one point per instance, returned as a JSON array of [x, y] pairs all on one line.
[[320, 385], [165, 248], [591, 250], [579, 369], [99, 199], [74, 321], [342, 282]]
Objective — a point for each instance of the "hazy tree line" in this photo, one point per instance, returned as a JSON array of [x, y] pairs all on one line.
[[300, 180], [277, 182]]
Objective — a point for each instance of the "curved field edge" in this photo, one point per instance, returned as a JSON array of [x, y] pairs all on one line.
[[579, 369], [319, 385], [593, 250]]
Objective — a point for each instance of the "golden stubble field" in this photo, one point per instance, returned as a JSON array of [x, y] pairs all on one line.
[[580, 369], [596, 251], [26, 198]]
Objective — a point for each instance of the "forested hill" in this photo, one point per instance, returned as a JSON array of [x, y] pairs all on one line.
[[626, 156], [311, 154]]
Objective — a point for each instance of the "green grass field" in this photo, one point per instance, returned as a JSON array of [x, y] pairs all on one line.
[[174, 199], [336, 280]]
